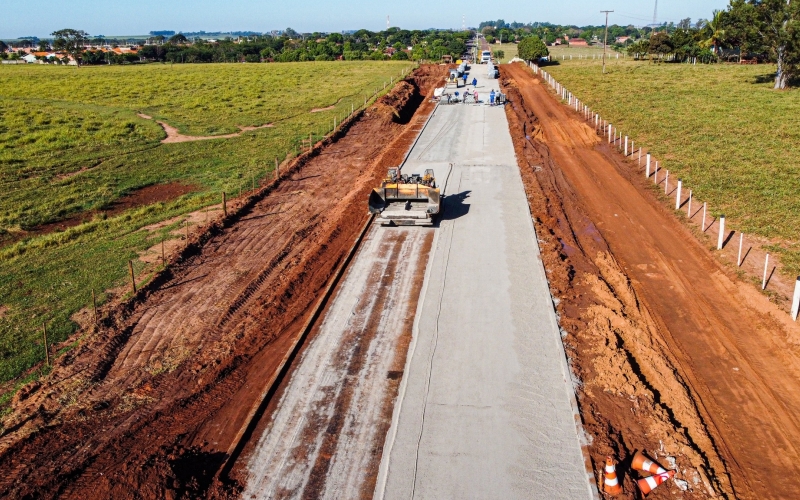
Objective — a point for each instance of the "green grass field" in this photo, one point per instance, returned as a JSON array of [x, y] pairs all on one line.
[[564, 52], [509, 51], [721, 128], [71, 143]]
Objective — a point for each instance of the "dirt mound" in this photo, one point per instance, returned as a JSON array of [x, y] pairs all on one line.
[[149, 404]]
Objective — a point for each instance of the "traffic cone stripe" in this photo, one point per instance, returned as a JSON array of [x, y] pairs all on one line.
[[652, 467], [640, 462], [610, 482], [648, 484]]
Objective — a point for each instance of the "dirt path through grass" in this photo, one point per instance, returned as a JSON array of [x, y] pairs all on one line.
[[174, 136]]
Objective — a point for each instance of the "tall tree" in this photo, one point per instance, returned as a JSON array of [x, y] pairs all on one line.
[[73, 42], [532, 48], [771, 26], [714, 32], [178, 39], [778, 22]]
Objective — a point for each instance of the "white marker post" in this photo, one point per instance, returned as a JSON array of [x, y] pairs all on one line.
[[666, 183], [739, 258], [721, 232], [766, 266], [678, 196], [609, 132], [647, 169], [796, 299]]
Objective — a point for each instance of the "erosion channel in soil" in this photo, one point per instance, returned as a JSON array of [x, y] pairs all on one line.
[[148, 405], [677, 358]]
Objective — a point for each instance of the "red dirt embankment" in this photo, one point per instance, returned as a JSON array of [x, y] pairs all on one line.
[[676, 356], [149, 404]]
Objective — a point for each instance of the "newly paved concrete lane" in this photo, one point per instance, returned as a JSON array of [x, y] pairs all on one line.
[[323, 438], [486, 406]]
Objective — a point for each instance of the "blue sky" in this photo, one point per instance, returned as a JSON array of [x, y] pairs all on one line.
[[23, 18]]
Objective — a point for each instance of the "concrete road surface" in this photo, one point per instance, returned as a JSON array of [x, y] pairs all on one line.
[[325, 437], [486, 407]]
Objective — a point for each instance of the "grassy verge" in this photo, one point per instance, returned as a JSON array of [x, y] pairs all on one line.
[[563, 53], [71, 143], [509, 51], [721, 128]]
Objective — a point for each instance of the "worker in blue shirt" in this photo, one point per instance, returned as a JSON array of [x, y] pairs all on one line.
[[491, 98], [474, 82]]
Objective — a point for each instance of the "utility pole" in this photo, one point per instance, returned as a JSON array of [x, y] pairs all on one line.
[[605, 39]]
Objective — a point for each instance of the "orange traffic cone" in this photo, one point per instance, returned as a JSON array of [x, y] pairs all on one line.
[[641, 462], [611, 483], [648, 484]]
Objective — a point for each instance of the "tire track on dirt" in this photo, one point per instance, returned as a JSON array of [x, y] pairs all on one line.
[[676, 357]]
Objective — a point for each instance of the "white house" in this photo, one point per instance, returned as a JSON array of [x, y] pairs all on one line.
[[29, 58]]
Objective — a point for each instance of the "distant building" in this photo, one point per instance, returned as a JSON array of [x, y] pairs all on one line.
[[578, 42], [29, 58], [622, 39]]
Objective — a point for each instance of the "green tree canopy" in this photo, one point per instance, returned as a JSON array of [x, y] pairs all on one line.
[[532, 48], [660, 43], [778, 23], [71, 41], [177, 39]]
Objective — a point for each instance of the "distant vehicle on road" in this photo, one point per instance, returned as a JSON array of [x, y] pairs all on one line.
[[486, 57]]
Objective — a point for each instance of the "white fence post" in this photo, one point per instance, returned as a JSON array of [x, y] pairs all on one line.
[[626, 146], [647, 170], [703, 224], [766, 266], [739, 258], [721, 232], [796, 299], [678, 196]]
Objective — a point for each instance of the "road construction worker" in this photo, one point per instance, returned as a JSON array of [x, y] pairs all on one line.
[[474, 82], [491, 98]]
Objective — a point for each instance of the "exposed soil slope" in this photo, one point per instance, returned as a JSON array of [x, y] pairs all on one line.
[[676, 356], [148, 407]]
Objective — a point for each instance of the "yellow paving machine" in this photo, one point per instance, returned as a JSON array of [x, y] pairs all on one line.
[[406, 200]]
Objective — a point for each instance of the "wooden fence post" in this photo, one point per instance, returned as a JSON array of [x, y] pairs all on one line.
[[133, 278], [46, 349]]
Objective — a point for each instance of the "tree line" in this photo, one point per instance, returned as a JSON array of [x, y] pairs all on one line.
[[290, 46]]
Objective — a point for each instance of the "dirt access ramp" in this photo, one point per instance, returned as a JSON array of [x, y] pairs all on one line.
[[148, 405], [676, 356]]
